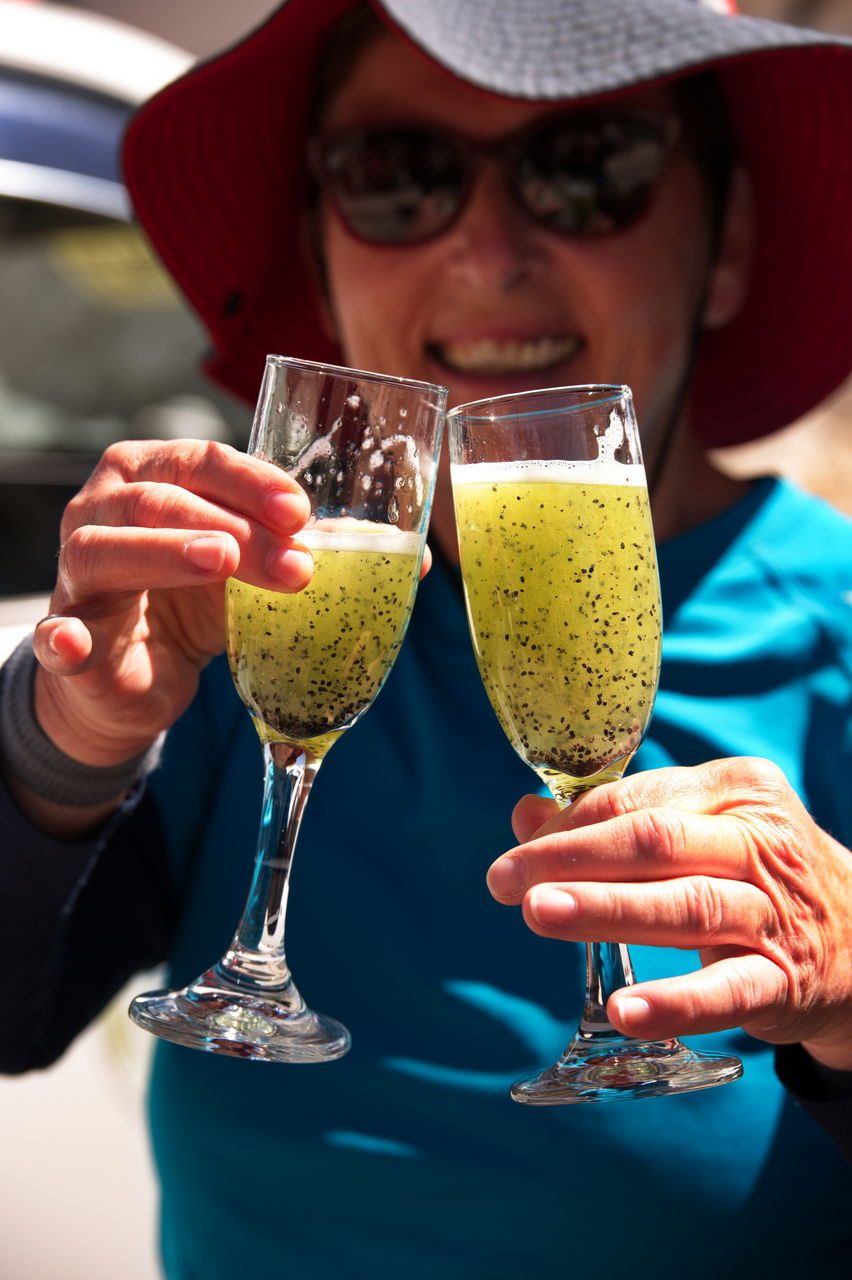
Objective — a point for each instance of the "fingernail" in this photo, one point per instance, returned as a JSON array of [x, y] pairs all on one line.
[[295, 568], [285, 511], [632, 1009], [552, 906], [206, 553], [505, 878]]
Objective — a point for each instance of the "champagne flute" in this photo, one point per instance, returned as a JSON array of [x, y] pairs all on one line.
[[364, 447], [562, 593]]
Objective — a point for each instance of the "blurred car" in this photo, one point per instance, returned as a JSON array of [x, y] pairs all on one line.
[[95, 344]]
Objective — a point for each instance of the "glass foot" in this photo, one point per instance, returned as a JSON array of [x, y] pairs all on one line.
[[613, 1068], [211, 1016]]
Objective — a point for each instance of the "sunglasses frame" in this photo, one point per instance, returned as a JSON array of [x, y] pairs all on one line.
[[505, 151]]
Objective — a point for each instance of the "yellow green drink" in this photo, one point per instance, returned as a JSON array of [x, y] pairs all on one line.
[[308, 664], [561, 584]]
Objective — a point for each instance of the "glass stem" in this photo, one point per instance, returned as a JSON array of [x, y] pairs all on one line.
[[256, 960], [608, 967]]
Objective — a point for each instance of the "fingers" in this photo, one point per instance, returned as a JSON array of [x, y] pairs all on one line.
[[62, 645], [717, 786], [215, 473], [722, 858], [174, 514], [693, 912], [746, 990], [530, 813], [651, 844], [168, 506], [154, 504], [426, 562], [140, 522], [98, 559], [701, 820]]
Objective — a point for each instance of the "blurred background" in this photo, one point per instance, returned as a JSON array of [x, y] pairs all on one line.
[[95, 346]]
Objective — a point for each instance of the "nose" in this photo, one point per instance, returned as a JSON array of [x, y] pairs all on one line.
[[493, 245]]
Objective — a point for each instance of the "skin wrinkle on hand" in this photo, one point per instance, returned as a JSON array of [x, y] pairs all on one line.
[[769, 977]]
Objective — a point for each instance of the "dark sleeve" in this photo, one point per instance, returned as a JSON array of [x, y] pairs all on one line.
[[76, 921], [824, 1094]]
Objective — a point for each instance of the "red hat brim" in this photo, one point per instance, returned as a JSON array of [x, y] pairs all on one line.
[[215, 165]]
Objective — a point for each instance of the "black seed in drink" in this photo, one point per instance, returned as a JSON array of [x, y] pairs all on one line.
[[586, 702], [332, 644]]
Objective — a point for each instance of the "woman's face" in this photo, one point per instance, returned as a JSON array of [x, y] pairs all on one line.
[[497, 303]]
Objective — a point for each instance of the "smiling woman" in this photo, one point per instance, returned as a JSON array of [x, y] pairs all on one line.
[[495, 197], [495, 285], [502, 294]]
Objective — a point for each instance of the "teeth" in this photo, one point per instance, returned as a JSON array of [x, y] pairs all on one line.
[[489, 355]]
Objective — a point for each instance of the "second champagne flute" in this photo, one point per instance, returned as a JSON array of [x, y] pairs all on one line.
[[307, 665], [560, 577]]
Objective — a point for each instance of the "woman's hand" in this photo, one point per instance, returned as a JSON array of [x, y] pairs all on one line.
[[138, 609], [722, 858]]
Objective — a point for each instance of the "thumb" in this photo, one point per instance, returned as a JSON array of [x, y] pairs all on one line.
[[530, 813]]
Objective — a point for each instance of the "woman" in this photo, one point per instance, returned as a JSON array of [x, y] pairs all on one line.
[[665, 272]]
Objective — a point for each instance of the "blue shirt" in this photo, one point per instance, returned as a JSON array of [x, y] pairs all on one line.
[[407, 1156]]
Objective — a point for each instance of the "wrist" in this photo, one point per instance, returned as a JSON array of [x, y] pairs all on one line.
[[91, 736], [38, 767]]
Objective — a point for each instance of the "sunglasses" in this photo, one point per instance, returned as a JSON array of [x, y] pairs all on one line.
[[577, 175]]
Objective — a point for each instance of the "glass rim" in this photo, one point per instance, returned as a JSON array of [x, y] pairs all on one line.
[[341, 370], [610, 392]]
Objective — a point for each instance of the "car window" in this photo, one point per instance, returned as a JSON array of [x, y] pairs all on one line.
[[95, 346]]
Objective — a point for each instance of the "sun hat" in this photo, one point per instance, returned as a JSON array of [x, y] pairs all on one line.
[[215, 165]]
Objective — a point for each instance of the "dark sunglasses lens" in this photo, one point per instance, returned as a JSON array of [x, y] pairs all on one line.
[[591, 177], [394, 186]]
